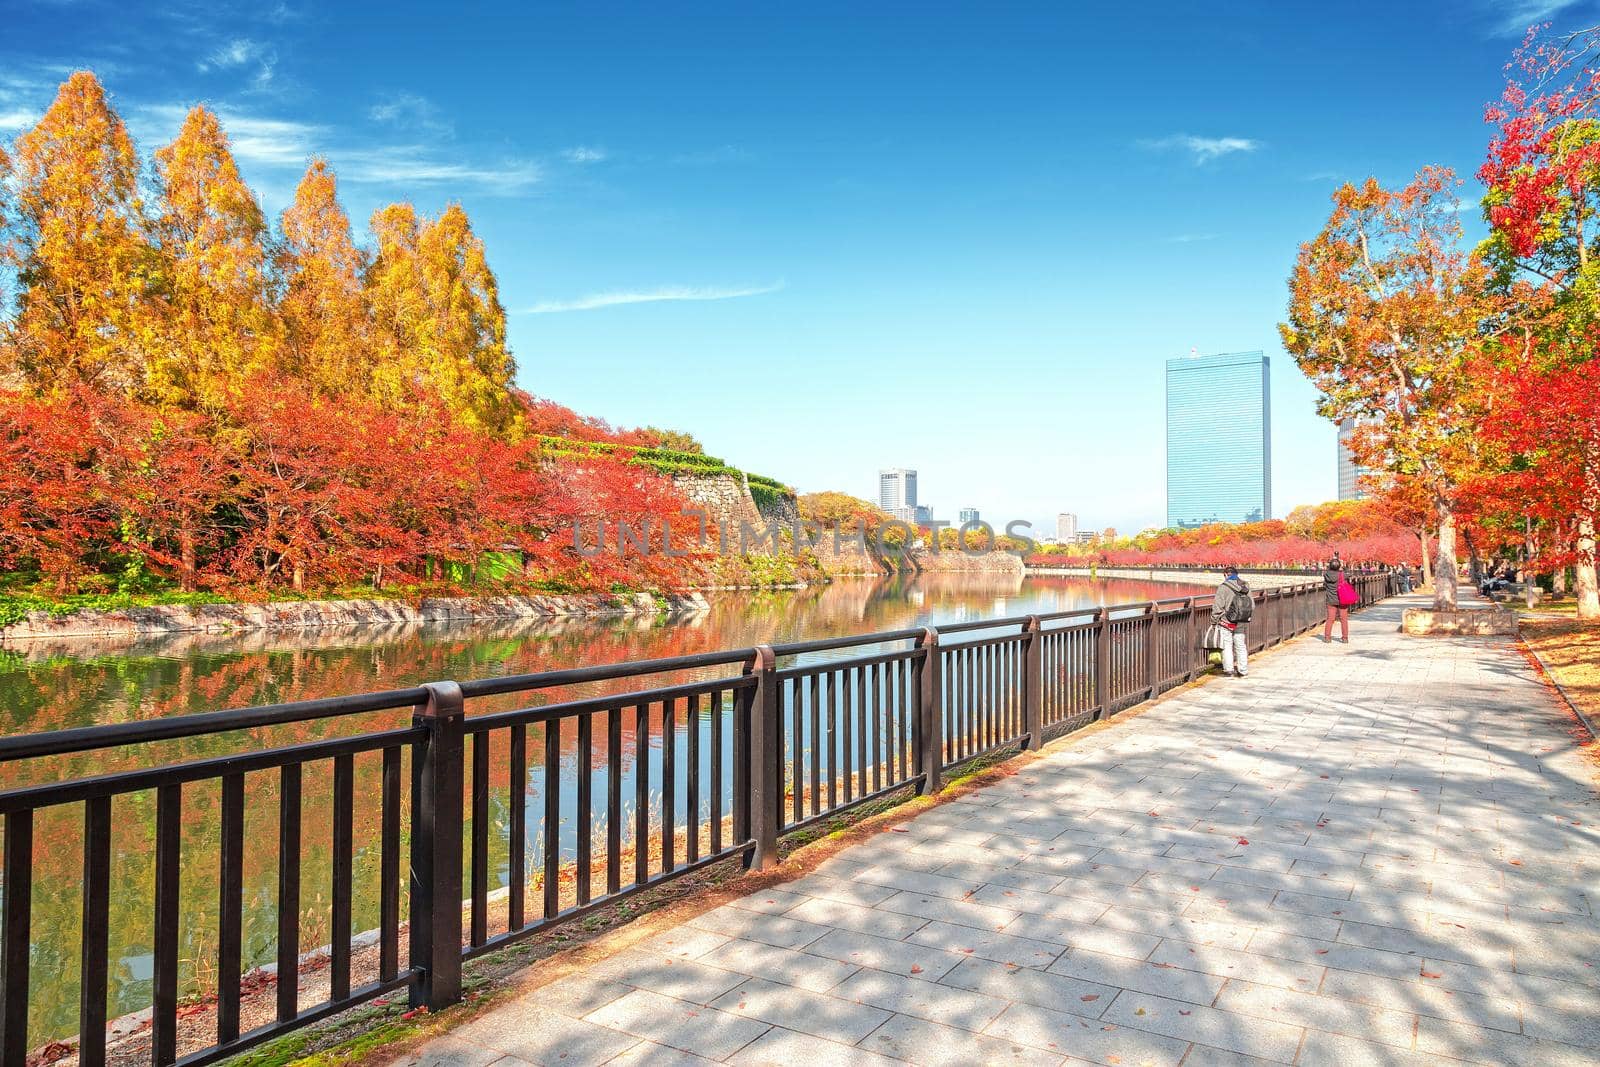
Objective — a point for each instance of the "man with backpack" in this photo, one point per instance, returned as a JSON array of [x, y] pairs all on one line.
[[1231, 609]]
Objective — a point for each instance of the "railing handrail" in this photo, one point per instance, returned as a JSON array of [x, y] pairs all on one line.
[[117, 735], [888, 720]]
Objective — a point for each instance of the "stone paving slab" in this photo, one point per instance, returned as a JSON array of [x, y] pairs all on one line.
[[1381, 853]]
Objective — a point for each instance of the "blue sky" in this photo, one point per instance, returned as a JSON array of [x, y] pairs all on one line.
[[962, 238]]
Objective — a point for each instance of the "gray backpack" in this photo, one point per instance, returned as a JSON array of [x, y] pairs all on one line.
[[1241, 607]]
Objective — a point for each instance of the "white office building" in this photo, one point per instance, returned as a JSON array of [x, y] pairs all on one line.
[[1066, 528], [897, 488]]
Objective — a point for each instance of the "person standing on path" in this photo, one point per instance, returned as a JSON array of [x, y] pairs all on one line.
[[1231, 609], [1339, 595]]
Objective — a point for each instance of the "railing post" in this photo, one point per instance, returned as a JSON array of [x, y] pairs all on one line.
[[1153, 666], [927, 734], [1191, 639], [1102, 665], [436, 849], [766, 777], [1033, 683]]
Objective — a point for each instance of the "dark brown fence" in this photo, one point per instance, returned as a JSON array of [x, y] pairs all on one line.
[[673, 765]]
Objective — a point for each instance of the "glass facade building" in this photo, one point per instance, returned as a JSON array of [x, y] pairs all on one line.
[[1349, 471], [1219, 439]]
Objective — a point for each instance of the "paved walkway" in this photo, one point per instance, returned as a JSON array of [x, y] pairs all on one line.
[[1381, 853]]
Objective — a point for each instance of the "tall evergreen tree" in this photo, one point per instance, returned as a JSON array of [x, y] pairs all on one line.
[[220, 326], [398, 307], [464, 337], [326, 339], [437, 316], [86, 272]]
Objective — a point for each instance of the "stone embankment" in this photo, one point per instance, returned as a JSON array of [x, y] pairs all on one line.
[[312, 614], [954, 561]]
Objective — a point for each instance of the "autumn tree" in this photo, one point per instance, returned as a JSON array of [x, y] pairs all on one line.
[[54, 515], [219, 326], [171, 481], [326, 335], [436, 307], [396, 302], [85, 270], [1542, 201], [1385, 312]]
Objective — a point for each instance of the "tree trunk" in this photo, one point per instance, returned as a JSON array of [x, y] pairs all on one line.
[[1427, 567], [1584, 572], [1558, 582], [1444, 563], [189, 559], [1530, 550], [299, 577]]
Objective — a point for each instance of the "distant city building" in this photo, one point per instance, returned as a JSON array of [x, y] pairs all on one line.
[[1349, 472], [969, 515], [897, 488], [1219, 439], [1066, 528], [1086, 537], [912, 514]]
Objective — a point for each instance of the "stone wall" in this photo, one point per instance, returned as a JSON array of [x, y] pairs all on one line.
[[309, 614], [954, 561], [727, 501], [723, 498]]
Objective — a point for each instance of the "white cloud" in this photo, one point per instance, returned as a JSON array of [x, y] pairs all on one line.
[[583, 154], [268, 144], [1203, 149], [410, 111], [1518, 15], [650, 296], [17, 119], [418, 165], [264, 141], [236, 53], [242, 52], [1191, 238]]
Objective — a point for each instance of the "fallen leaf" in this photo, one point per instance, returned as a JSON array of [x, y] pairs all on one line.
[[1138, 1011], [915, 969], [1322, 952], [1431, 974], [1243, 841], [1089, 997], [1182, 1012]]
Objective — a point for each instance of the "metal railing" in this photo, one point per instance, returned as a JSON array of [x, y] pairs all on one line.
[[742, 746]]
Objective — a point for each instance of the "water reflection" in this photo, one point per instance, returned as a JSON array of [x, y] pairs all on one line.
[[61, 684]]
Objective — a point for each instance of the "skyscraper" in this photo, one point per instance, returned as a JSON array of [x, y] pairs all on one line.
[[969, 515], [1219, 439], [1066, 528], [1349, 472], [897, 488]]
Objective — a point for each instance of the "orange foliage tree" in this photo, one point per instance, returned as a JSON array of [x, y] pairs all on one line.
[[1541, 199], [1386, 313], [177, 402]]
